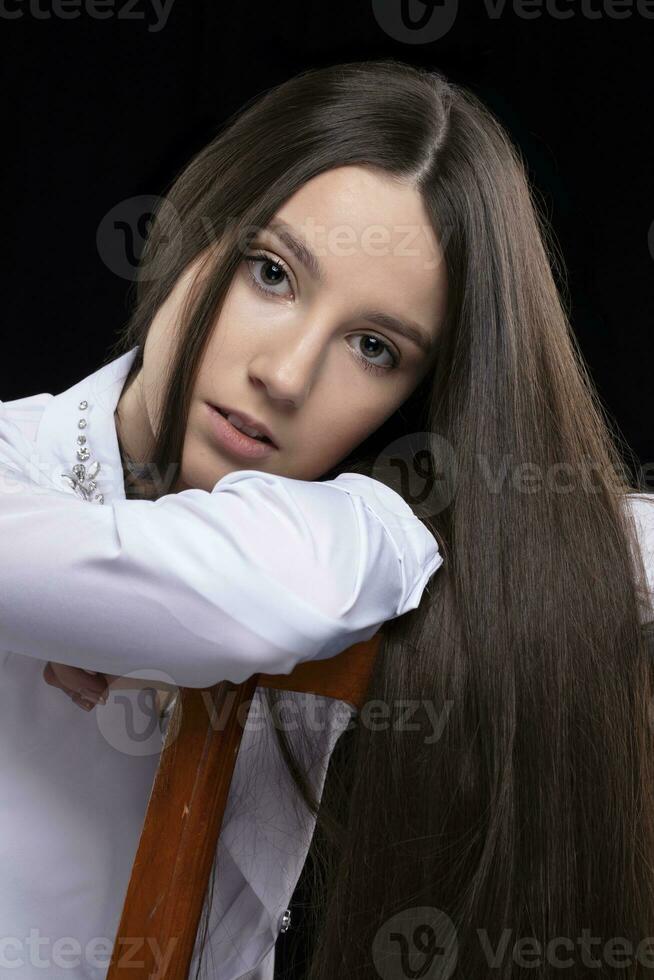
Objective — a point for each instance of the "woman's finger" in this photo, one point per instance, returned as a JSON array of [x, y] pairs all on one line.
[[82, 702], [74, 678], [93, 696], [69, 679]]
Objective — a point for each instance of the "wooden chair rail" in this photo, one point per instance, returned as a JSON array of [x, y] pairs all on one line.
[[170, 875]]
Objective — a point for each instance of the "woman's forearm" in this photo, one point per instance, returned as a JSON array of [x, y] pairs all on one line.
[[255, 576]]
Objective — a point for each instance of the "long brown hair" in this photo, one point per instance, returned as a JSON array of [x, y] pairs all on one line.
[[532, 814]]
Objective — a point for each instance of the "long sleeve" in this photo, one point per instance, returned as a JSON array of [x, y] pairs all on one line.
[[260, 573], [642, 512]]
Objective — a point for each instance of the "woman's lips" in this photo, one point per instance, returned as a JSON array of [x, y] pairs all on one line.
[[228, 437], [260, 428]]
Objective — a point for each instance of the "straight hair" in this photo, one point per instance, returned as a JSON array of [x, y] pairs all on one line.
[[533, 809]]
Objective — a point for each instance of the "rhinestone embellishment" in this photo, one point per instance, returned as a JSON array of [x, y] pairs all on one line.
[[81, 478], [286, 921]]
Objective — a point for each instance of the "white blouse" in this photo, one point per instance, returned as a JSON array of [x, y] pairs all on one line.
[[255, 576]]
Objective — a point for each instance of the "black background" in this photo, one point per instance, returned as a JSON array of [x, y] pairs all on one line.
[[97, 111]]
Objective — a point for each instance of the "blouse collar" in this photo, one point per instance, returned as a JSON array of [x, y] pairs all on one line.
[[77, 432]]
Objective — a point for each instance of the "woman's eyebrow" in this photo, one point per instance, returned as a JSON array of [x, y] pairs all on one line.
[[412, 331], [298, 247]]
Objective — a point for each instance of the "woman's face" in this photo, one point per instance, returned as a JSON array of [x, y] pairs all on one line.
[[295, 348]]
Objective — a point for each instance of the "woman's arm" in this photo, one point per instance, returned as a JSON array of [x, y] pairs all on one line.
[[257, 575]]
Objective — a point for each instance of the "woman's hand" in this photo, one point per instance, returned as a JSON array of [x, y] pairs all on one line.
[[86, 688]]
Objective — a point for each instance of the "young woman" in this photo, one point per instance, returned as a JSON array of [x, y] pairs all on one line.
[[355, 262]]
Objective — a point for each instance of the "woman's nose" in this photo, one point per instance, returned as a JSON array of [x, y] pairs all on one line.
[[289, 370]]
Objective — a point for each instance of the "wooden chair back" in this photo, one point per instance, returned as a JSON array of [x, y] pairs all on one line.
[[170, 874]]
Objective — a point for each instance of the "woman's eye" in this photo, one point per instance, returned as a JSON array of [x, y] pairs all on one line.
[[380, 346], [279, 275]]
